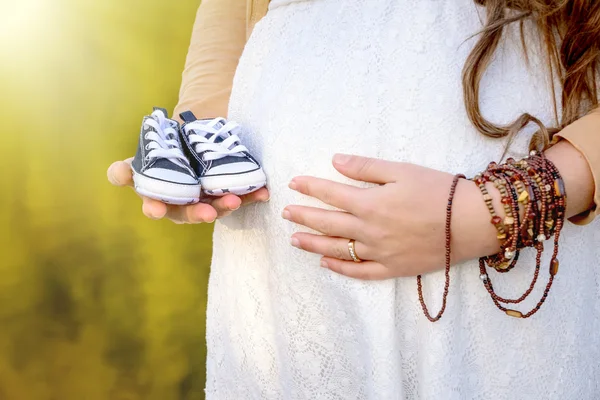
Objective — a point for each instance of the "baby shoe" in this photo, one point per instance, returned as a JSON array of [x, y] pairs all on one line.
[[160, 169], [218, 157]]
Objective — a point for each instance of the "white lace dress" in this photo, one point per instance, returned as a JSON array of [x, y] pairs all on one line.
[[382, 78]]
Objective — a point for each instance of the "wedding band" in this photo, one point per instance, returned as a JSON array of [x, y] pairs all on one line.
[[352, 251]]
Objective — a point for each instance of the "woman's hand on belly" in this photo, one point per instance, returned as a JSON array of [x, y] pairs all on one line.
[[208, 210], [399, 226]]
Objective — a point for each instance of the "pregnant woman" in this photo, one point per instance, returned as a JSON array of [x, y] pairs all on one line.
[[417, 91]]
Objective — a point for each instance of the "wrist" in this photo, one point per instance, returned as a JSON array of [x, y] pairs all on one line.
[[473, 235]]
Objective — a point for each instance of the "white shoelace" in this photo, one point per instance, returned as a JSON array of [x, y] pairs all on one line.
[[163, 141], [230, 146]]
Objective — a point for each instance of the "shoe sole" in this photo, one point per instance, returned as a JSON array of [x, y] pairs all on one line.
[[166, 192], [238, 184]]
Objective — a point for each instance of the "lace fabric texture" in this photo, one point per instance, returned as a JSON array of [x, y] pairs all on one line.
[[383, 79]]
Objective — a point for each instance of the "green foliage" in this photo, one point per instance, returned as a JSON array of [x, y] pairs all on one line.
[[96, 302]]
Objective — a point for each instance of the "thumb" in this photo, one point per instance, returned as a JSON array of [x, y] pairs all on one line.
[[365, 169], [119, 173]]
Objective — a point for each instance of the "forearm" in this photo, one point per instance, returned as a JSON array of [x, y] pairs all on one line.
[[217, 43], [473, 234]]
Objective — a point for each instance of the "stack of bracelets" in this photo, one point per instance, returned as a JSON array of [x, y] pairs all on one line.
[[537, 186]]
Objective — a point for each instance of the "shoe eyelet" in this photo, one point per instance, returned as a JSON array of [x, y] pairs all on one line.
[[147, 147]]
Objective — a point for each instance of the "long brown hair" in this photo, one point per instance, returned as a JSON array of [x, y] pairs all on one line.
[[570, 31]]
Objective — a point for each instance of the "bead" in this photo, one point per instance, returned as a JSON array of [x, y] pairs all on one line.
[[514, 313], [557, 190], [501, 236], [532, 153], [554, 267], [531, 172], [551, 206], [541, 237], [523, 196], [561, 185], [492, 165], [549, 223], [531, 215], [530, 232], [487, 197], [509, 221], [509, 254], [483, 277], [505, 200], [503, 266], [510, 160], [548, 188], [496, 220]]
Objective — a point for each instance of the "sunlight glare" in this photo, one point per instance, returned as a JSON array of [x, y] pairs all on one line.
[[22, 20]]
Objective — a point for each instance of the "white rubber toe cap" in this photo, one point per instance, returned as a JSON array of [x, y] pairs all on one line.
[[171, 176], [255, 178], [232, 168]]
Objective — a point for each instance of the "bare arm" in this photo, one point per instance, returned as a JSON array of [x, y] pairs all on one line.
[[399, 227]]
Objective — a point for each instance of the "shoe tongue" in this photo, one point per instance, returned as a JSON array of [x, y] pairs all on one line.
[[216, 126], [162, 110]]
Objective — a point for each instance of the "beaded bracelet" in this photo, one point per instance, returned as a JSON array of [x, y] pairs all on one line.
[[535, 185], [543, 189], [448, 258]]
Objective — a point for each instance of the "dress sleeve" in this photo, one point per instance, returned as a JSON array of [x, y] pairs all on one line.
[[218, 39], [584, 135]]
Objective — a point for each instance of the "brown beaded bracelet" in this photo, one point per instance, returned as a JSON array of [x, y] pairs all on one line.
[[546, 194], [535, 184], [448, 258]]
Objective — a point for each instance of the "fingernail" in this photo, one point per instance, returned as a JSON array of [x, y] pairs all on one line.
[[266, 200], [341, 159], [324, 264], [237, 208], [293, 185], [286, 215], [295, 242]]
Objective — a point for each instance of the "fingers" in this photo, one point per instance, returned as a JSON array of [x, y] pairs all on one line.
[[365, 169], [192, 214], [330, 223], [330, 246], [260, 196], [153, 209], [368, 270], [226, 204], [333, 193], [119, 173]]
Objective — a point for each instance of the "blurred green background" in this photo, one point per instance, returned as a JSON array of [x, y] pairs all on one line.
[[96, 302]]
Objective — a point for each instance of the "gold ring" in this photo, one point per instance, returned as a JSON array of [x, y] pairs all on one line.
[[352, 251]]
